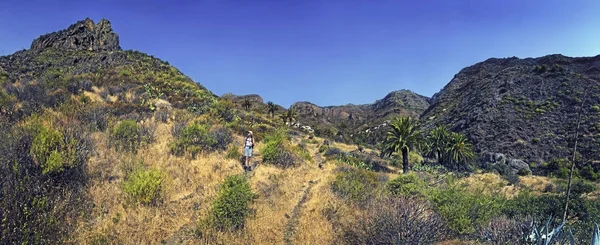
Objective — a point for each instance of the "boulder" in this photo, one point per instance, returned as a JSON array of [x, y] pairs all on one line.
[[517, 165]]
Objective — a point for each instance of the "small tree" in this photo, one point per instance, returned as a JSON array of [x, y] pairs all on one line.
[[437, 142], [290, 115], [247, 104], [271, 108], [459, 149], [403, 136]]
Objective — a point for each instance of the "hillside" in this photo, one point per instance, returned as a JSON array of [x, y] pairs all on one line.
[[525, 108], [86, 57], [360, 123], [108, 146]]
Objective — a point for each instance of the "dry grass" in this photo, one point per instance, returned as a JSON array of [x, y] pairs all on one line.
[[191, 185], [191, 188]]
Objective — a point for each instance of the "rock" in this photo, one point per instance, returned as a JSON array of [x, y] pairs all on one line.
[[491, 158], [516, 165], [83, 35]]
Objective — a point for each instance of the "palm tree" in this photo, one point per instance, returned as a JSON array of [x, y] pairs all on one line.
[[403, 136], [459, 149], [437, 143], [247, 104], [271, 108], [290, 115]]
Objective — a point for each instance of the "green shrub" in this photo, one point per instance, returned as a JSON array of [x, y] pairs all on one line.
[[406, 185], [356, 186], [559, 168], [589, 173], [354, 161], [414, 157], [52, 151], [39, 208], [145, 186], [230, 209], [126, 136], [323, 148], [596, 108], [276, 150], [524, 172], [195, 138], [303, 153], [464, 210], [3, 77], [233, 153]]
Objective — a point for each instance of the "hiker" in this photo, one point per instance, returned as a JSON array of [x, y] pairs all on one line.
[[248, 146]]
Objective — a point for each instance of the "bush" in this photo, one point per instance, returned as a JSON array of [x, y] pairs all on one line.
[[303, 152], [276, 150], [323, 148], [145, 186], [333, 152], [52, 151], [230, 209], [126, 136], [147, 133], [406, 185], [356, 186], [589, 173], [559, 168], [39, 208], [233, 153], [396, 221], [503, 230], [222, 138], [196, 138], [95, 116], [524, 172], [463, 210]]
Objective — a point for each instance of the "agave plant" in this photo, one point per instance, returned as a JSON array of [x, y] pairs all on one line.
[[545, 236], [595, 236]]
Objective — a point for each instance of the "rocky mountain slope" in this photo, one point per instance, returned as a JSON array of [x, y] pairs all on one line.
[[86, 57], [524, 108], [360, 123]]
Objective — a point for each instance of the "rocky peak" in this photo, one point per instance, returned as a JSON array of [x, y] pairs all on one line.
[[83, 35]]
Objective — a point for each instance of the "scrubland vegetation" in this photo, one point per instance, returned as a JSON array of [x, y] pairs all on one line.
[[138, 153]]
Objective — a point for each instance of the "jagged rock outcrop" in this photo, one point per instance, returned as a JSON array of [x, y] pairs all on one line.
[[524, 108], [83, 35], [67, 62]]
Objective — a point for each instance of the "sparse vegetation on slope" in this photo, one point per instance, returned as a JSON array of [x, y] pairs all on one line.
[[96, 144]]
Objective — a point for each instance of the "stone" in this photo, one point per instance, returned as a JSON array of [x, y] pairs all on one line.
[[517, 165], [83, 35]]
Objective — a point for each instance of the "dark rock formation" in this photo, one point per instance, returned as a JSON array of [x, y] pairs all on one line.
[[360, 123], [524, 108], [83, 35]]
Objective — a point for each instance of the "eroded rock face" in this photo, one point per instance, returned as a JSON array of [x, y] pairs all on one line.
[[524, 108], [83, 35]]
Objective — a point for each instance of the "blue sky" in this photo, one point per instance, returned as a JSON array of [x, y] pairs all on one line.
[[326, 52]]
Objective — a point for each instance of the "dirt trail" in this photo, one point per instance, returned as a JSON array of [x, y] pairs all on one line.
[[294, 219]]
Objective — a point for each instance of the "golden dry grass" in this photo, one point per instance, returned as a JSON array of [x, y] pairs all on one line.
[[191, 187], [191, 184]]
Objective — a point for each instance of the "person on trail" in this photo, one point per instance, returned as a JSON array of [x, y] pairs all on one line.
[[248, 146]]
